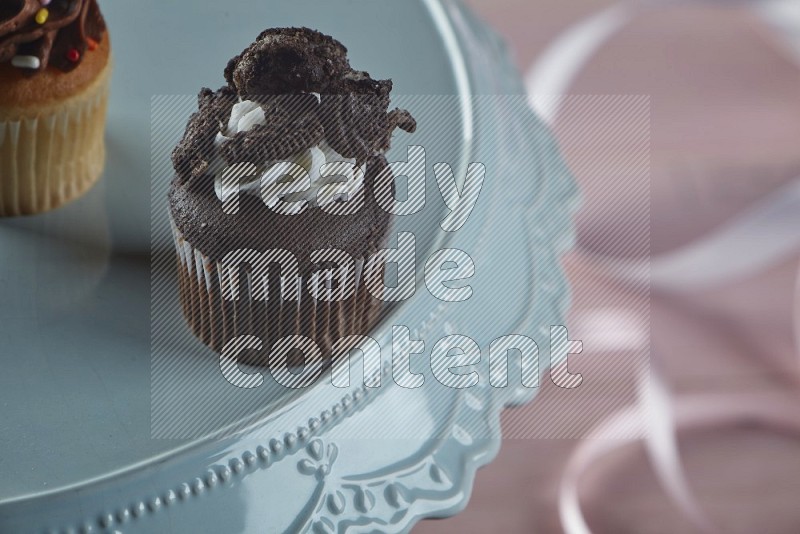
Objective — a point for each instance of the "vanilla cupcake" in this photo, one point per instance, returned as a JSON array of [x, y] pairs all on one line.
[[292, 105], [54, 76]]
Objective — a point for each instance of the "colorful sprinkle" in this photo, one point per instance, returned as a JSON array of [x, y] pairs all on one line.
[[45, 2], [73, 55], [91, 43], [26, 62], [41, 16]]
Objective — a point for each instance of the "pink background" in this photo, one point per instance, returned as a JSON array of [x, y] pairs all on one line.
[[725, 124]]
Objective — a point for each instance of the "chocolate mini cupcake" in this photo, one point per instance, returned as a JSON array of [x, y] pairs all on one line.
[[273, 203], [54, 75]]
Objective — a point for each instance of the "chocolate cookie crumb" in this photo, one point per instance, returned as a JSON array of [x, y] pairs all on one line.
[[287, 60], [193, 154], [293, 125]]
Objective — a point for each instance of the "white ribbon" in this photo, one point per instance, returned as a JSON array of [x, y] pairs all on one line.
[[763, 236]]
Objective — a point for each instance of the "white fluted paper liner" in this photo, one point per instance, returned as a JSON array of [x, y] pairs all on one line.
[[52, 155], [206, 288]]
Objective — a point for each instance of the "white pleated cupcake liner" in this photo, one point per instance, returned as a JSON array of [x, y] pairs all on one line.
[[53, 155], [206, 287]]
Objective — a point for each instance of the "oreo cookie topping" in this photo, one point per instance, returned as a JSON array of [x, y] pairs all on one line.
[[38, 33], [303, 83], [294, 126], [287, 60]]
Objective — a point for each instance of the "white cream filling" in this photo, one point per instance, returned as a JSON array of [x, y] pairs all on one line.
[[323, 164]]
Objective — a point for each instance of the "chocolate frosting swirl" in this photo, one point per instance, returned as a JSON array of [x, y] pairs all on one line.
[[56, 32]]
